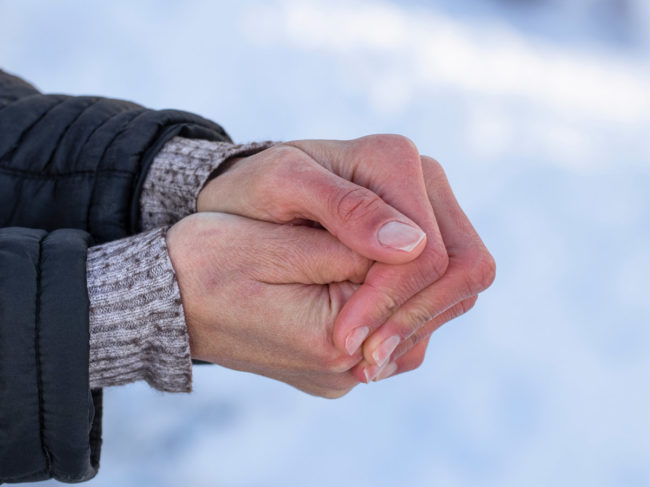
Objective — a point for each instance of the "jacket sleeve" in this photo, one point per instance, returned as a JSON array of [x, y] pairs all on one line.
[[71, 170], [80, 162], [50, 422]]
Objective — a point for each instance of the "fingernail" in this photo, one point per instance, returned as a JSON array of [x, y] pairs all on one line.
[[371, 372], [384, 351], [400, 236], [387, 370], [355, 339]]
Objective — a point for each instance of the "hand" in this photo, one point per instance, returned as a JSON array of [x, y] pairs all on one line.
[[470, 270], [352, 188], [263, 298]]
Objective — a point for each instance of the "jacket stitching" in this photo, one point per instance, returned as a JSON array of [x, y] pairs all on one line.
[[41, 414], [90, 136], [92, 103], [30, 127]]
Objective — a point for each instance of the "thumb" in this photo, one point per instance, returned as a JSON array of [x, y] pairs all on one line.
[[358, 217], [305, 255], [284, 184]]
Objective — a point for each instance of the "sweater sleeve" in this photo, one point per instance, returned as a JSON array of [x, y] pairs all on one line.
[[179, 172], [137, 325]]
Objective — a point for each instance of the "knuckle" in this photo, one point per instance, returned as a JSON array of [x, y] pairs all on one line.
[[415, 316], [403, 150], [400, 149], [482, 272], [417, 344], [385, 302], [283, 161], [335, 362], [418, 359], [433, 171], [355, 204], [335, 386], [273, 185], [390, 303], [415, 359], [432, 164], [400, 143], [335, 392], [466, 305], [286, 152]]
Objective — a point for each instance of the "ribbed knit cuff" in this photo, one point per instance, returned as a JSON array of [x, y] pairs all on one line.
[[179, 172], [137, 324]]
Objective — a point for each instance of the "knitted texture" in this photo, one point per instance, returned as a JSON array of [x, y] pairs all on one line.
[[179, 172], [137, 325]]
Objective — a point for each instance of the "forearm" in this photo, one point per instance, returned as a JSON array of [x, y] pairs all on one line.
[[81, 162], [137, 325]]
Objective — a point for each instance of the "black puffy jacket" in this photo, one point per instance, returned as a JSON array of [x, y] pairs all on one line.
[[71, 170]]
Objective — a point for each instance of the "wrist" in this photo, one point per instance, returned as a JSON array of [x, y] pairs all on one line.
[[180, 172], [203, 199]]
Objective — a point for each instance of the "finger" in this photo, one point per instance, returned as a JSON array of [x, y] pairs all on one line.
[[407, 362], [388, 165], [429, 328], [385, 289], [359, 218], [285, 254], [410, 355], [464, 278], [471, 269], [391, 167], [292, 186], [365, 371]]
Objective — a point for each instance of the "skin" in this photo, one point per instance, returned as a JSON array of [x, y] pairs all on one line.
[[352, 188], [263, 298]]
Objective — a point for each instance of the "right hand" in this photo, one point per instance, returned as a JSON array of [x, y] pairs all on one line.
[[263, 298]]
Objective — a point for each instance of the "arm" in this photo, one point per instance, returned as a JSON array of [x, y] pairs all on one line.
[[137, 325], [76, 163], [337, 184], [51, 421], [81, 162]]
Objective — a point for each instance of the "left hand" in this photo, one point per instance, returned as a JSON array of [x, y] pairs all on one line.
[[398, 306], [263, 298]]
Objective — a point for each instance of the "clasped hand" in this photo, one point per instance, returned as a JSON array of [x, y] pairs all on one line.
[[326, 263]]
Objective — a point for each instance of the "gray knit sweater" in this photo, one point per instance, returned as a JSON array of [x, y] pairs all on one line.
[[137, 325]]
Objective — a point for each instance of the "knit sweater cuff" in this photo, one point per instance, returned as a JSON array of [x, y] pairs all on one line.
[[137, 324], [179, 172]]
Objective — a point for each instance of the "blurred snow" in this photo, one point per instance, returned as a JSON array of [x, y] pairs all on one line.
[[540, 113]]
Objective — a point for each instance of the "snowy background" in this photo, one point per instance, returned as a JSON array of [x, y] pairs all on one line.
[[540, 113]]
